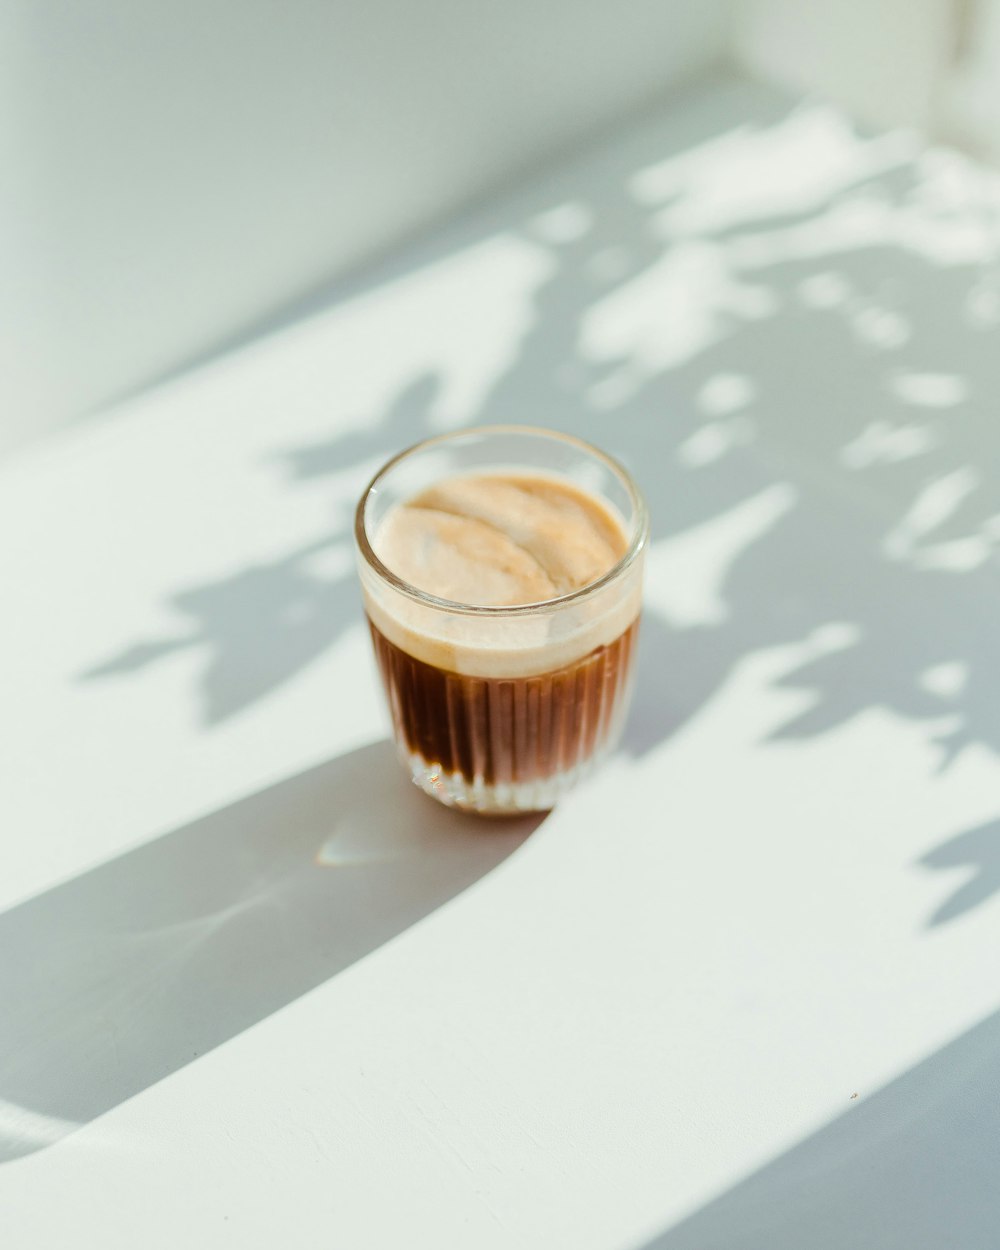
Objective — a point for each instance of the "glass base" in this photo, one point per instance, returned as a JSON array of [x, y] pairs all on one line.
[[500, 798]]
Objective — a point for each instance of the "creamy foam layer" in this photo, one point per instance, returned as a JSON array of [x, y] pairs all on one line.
[[501, 540], [496, 540]]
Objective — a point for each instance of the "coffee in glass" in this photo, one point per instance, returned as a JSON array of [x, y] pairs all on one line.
[[501, 569]]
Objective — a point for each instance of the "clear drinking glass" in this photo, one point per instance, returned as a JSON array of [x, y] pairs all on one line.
[[503, 709]]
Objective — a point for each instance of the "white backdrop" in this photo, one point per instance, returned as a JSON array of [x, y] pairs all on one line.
[[173, 174], [738, 993]]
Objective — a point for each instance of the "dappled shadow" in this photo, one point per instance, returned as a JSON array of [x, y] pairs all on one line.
[[789, 333], [259, 627], [978, 851], [406, 421], [266, 622]]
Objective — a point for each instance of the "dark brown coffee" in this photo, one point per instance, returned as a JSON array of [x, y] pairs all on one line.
[[497, 730]]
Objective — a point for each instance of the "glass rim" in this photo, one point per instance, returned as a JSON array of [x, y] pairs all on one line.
[[637, 542]]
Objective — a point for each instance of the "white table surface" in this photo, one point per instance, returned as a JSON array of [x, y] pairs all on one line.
[[739, 991]]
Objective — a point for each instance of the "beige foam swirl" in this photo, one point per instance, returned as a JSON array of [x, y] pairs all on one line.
[[497, 540]]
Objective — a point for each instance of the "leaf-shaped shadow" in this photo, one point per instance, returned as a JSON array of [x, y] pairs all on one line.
[[406, 421], [258, 628], [261, 625], [978, 850]]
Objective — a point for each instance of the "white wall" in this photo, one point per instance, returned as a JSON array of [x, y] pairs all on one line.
[[884, 60], [970, 105], [174, 172]]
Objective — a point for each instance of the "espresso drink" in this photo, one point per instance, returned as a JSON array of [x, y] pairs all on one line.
[[494, 721]]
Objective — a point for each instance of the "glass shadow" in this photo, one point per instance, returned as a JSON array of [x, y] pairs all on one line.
[[128, 972]]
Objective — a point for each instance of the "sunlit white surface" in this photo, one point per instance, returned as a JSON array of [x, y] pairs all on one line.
[[643, 1022]]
